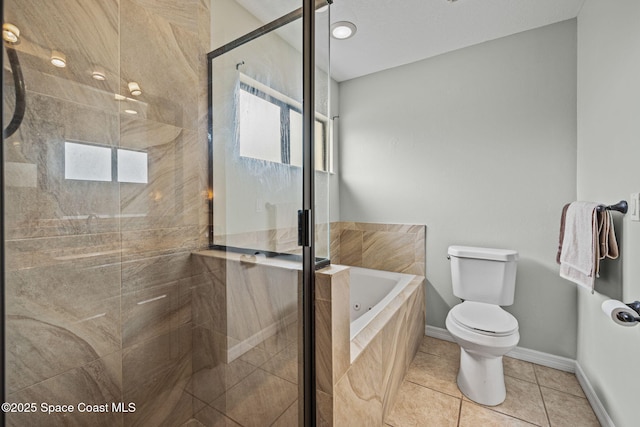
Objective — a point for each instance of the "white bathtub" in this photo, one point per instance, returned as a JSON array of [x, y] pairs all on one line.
[[370, 291]]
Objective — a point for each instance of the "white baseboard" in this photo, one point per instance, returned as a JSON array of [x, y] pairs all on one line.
[[528, 355], [443, 334], [551, 361], [597, 406]]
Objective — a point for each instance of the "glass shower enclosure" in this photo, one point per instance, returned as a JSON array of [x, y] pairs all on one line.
[[266, 184], [164, 208]]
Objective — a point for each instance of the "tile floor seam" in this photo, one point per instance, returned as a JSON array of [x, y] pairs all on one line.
[[432, 389], [295, 402], [564, 393], [544, 404], [224, 414], [509, 415], [459, 413], [521, 379], [226, 387], [277, 376]]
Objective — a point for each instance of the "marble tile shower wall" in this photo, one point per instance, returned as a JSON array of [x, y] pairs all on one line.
[[390, 247], [99, 274]]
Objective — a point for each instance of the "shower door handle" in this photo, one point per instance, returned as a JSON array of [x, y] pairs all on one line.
[[303, 227]]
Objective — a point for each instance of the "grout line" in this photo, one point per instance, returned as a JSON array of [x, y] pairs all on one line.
[[295, 402], [544, 404], [492, 408], [459, 413], [432, 389], [277, 376]]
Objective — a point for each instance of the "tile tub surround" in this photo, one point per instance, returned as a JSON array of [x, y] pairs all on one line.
[[389, 247], [99, 274], [358, 380]]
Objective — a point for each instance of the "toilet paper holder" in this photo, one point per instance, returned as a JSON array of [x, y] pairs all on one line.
[[627, 317]]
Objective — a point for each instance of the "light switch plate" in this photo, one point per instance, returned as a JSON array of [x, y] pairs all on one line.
[[634, 207]]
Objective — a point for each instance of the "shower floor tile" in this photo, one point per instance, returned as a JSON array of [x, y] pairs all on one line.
[[258, 400]]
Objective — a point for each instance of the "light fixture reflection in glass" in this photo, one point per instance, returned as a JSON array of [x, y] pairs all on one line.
[[58, 59], [343, 30], [10, 33], [99, 75], [134, 89], [130, 111]]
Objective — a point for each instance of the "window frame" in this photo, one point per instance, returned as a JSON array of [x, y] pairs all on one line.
[[285, 105], [114, 162]]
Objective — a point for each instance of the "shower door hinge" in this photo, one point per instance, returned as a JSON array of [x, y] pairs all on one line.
[[304, 217]]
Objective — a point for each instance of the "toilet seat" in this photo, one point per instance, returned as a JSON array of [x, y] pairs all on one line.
[[485, 319]]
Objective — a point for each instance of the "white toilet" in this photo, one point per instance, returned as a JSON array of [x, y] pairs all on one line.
[[484, 279]]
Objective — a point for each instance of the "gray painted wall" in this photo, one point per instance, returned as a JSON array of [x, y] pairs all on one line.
[[479, 145], [608, 170]]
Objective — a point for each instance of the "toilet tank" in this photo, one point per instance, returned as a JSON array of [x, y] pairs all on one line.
[[483, 274]]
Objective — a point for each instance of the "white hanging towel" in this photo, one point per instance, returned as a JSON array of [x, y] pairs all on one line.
[[579, 254]]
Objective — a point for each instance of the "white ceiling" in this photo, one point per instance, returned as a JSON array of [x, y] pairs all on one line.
[[396, 32]]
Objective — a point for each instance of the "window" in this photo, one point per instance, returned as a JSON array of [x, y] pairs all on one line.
[[260, 128], [270, 127], [132, 166], [87, 162], [295, 125]]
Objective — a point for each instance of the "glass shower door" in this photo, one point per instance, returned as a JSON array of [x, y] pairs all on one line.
[[259, 204]]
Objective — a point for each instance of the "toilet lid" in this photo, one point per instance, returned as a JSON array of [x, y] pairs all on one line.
[[484, 318]]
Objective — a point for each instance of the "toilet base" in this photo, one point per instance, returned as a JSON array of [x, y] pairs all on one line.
[[481, 378]]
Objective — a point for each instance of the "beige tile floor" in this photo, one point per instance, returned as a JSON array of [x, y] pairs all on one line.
[[428, 397], [536, 395]]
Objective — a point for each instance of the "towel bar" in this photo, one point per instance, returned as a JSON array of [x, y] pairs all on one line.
[[628, 318], [621, 206]]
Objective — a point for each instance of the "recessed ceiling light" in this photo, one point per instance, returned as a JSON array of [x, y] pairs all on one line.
[[343, 30], [134, 89], [10, 33], [58, 59], [131, 111], [99, 75]]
